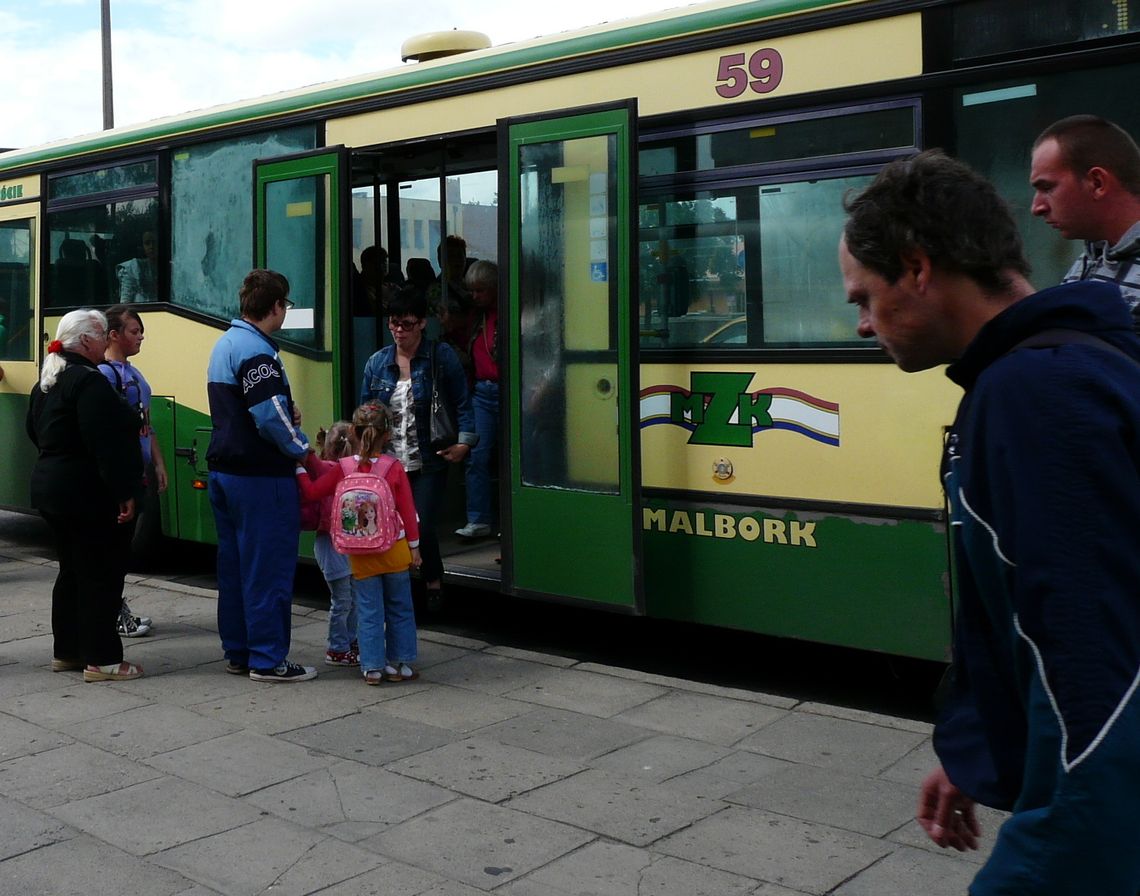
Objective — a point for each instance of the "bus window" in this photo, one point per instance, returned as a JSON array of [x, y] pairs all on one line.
[[748, 267], [996, 124], [105, 253], [212, 217], [739, 220], [104, 236], [16, 302]]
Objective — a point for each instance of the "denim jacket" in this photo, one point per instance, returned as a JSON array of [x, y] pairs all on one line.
[[382, 372]]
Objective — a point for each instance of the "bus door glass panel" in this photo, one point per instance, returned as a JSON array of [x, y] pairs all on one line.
[[298, 232], [745, 266], [294, 241], [17, 302], [567, 358], [572, 397]]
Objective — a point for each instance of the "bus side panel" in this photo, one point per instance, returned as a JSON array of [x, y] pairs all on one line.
[[20, 453], [873, 584]]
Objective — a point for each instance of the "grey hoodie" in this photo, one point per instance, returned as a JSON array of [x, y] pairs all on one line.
[[1119, 264]]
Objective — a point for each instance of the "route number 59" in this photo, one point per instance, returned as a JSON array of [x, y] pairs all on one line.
[[764, 70]]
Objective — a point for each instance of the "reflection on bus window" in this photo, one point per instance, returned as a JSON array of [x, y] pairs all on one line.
[[750, 267], [16, 302], [100, 254]]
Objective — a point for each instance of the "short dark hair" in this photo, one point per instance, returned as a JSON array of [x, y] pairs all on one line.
[[408, 301], [260, 292], [1089, 141], [117, 317], [941, 206]]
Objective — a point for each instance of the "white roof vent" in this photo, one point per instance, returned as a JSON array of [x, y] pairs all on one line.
[[437, 44]]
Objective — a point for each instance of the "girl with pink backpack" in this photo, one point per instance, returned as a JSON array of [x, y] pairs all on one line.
[[373, 521]]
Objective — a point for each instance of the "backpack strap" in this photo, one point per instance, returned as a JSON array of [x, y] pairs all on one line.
[[1064, 336]]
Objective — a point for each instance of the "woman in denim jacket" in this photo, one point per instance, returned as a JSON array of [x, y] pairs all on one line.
[[400, 376]]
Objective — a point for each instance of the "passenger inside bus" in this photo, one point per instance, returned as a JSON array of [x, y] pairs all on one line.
[[77, 278], [375, 284], [137, 276]]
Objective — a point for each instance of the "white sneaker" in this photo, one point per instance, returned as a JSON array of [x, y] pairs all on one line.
[[474, 530]]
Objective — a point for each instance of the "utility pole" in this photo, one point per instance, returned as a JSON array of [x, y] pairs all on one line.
[[108, 95]]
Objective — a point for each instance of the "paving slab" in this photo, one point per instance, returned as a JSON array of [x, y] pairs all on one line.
[[68, 773], [20, 738], [350, 800], [83, 866], [616, 869], [273, 708], [155, 815], [587, 692], [491, 674], [77, 702], [148, 730], [486, 769], [724, 776], [399, 879], [660, 757], [842, 799], [814, 858], [479, 844], [268, 856], [239, 763], [26, 830], [717, 720], [568, 734], [371, 736], [624, 808], [907, 871], [830, 742], [452, 708]]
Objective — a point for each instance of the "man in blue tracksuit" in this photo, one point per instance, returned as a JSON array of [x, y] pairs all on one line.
[[254, 450], [1042, 475]]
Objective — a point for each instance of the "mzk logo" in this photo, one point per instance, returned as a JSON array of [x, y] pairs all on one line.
[[719, 409]]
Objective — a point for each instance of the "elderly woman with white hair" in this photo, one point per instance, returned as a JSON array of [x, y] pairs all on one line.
[[85, 483]]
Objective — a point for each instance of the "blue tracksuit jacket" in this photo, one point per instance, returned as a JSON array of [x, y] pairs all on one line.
[[251, 407]]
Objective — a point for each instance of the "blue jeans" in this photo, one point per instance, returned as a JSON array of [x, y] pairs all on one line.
[[342, 593], [428, 487], [386, 621], [258, 519], [481, 461]]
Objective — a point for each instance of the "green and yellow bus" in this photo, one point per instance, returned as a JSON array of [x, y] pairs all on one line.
[[663, 198]]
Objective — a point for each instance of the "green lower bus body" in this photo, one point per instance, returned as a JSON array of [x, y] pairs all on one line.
[[862, 582]]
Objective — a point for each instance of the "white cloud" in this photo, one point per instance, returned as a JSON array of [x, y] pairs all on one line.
[[173, 56]]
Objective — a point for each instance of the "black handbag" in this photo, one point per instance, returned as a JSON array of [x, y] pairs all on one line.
[[442, 431]]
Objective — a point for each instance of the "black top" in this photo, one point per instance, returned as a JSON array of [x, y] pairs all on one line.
[[88, 440]]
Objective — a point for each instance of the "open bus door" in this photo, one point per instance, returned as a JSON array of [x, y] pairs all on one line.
[[569, 358], [300, 227]]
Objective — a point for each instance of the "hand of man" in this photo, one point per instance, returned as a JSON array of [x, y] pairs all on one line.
[[947, 814]]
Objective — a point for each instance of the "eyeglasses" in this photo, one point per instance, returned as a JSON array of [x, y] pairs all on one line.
[[409, 324], [288, 303]]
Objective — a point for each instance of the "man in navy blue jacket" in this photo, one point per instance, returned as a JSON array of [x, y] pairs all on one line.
[[1042, 475], [254, 450]]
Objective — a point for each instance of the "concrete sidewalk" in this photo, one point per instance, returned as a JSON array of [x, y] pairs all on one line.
[[499, 770]]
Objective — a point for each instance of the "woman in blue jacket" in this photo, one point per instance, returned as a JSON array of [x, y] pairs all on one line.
[[401, 376]]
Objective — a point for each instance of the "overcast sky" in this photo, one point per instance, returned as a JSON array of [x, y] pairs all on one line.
[[173, 56]]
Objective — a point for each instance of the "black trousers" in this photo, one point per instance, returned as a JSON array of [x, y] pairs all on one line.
[[88, 589]]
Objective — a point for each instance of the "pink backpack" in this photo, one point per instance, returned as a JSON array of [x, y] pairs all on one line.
[[364, 516]]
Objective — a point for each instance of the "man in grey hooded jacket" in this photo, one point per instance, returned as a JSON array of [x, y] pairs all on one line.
[[1085, 174]]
